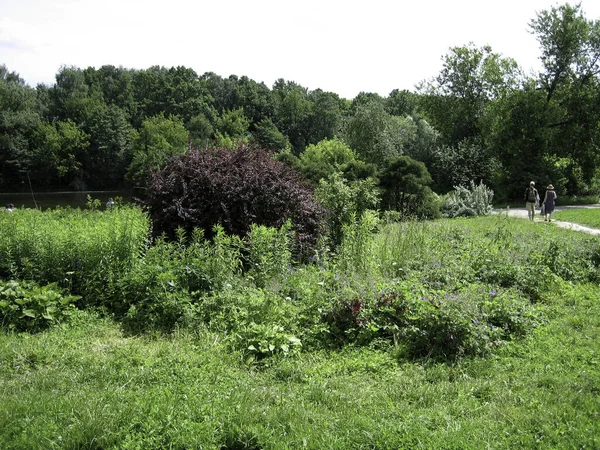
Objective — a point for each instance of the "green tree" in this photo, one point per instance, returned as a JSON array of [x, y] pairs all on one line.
[[267, 135], [456, 99], [326, 116], [232, 126], [177, 91], [111, 147], [570, 46], [19, 121], [325, 158], [71, 97], [115, 85], [406, 189], [159, 139], [60, 151], [517, 135], [460, 165], [201, 131], [374, 134], [401, 103], [292, 112]]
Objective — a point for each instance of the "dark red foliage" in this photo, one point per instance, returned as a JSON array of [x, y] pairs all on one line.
[[234, 188]]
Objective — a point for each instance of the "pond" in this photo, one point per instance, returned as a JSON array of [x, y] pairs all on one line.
[[48, 200]]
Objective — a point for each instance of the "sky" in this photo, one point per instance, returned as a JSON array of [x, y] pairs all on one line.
[[346, 47]]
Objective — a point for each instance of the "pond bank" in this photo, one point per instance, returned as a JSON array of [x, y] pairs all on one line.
[[74, 199]]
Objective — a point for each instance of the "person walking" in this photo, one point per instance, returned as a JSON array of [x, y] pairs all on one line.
[[532, 198], [549, 199]]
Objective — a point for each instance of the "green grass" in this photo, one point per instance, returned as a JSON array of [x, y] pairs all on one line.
[[589, 217], [86, 385], [354, 384]]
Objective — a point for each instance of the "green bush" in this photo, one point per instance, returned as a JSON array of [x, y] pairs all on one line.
[[269, 252], [157, 292], [345, 201], [405, 183], [432, 323], [26, 306]]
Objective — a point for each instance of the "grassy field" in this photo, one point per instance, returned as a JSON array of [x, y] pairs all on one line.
[[464, 334], [588, 217]]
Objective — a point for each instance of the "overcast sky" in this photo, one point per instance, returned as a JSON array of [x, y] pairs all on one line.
[[340, 46]]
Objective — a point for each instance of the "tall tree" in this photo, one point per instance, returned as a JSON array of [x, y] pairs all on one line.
[[374, 134], [111, 147], [19, 120], [159, 139], [293, 110], [570, 47], [456, 99]]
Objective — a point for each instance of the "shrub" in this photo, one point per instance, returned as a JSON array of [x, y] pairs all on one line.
[[234, 189], [405, 183], [26, 306], [269, 252], [435, 323], [158, 292], [346, 201], [476, 201]]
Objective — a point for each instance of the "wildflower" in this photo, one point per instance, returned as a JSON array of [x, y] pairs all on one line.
[[493, 293]]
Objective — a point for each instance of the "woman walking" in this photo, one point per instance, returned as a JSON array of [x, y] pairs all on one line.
[[549, 199]]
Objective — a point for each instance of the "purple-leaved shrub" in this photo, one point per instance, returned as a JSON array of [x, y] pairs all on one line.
[[233, 188]]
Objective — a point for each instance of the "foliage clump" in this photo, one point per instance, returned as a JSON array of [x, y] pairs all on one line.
[[346, 201], [468, 202], [232, 188], [406, 188], [26, 306]]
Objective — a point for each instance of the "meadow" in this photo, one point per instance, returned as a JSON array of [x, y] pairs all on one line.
[[463, 333]]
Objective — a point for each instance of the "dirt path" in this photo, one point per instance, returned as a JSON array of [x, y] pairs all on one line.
[[522, 214]]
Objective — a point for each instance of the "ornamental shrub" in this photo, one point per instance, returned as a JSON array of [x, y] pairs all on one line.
[[467, 202], [233, 188]]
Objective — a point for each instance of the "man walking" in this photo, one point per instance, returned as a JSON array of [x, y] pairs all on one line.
[[532, 198]]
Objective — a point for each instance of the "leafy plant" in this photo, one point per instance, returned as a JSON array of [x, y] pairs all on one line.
[[26, 306], [264, 340], [346, 201], [406, 188], [269, 252]]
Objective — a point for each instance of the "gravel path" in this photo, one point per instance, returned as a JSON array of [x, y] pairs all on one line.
[[522, 214]]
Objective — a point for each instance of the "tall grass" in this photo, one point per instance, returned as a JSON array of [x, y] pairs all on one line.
[[72, 247]]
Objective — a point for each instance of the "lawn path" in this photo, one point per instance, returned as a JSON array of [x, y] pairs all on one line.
[[522, 214]]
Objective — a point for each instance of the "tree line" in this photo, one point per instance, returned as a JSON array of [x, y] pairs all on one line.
[[481, 119]]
